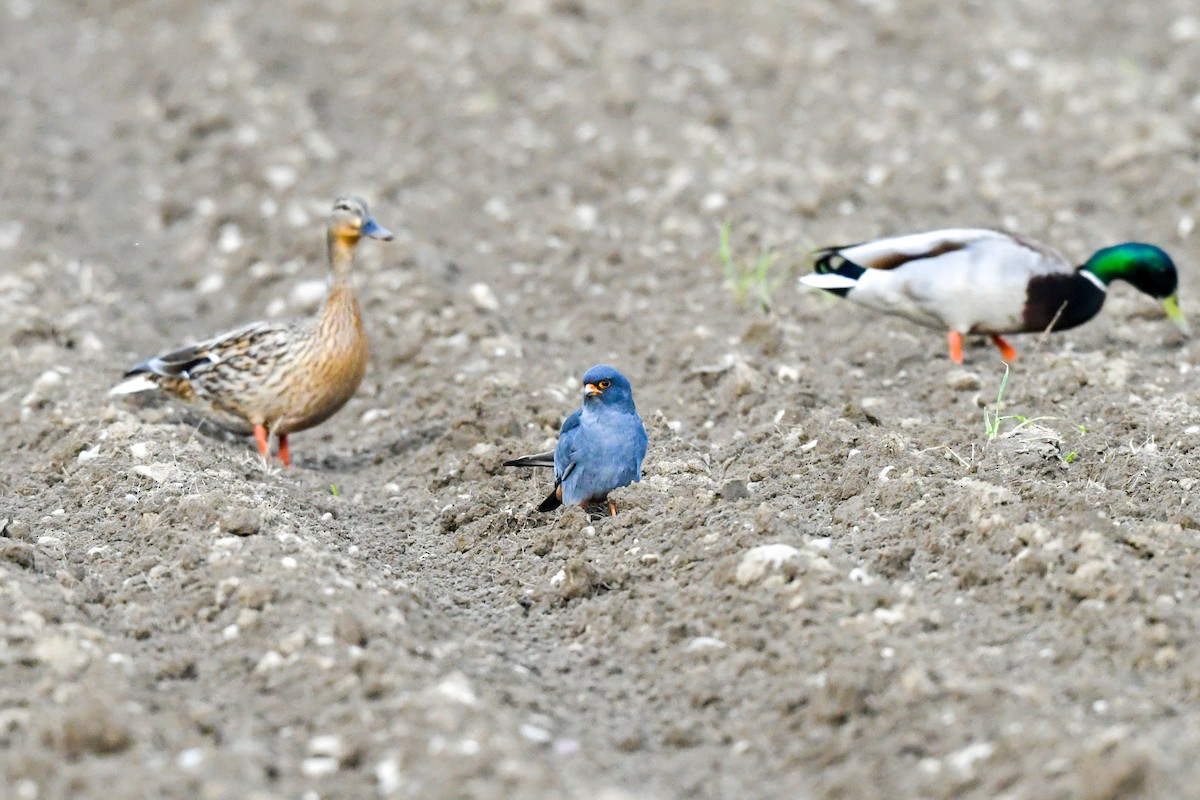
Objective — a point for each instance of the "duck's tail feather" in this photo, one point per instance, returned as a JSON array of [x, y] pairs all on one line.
[[834, 272], [140, 382]]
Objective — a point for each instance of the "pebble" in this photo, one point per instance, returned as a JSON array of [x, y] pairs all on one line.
[[963, 381], [307, 294], [159, 473], [701, 644], [270, 660], [229, 238], [484, 298], [318, 766], [457, 688], [139, 450], [535, 734], [758, 562], [281, 176], [190, 759], [963, 762], [327, 745], [387, 776]]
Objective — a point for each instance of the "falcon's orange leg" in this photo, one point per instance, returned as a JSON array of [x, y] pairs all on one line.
[[956, 345], [285, 455], [612, 508], [260, 436], [1006, 350]]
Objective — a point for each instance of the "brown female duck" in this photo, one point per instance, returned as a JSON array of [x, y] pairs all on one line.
[[277, 377]]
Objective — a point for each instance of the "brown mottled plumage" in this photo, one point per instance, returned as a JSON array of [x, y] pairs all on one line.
[[277, 377]]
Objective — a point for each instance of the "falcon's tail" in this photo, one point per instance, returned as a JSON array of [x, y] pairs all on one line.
[[535, 460]]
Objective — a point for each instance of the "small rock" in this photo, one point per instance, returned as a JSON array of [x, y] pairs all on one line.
[[328, 746], [307, 294], [760, 561], [280, 176], [271, 660], [318, 767], [735, 490], [229, 238], [535, 734], [241, 521], [159, 473], [90, 727], [388, 776], [483, 297], [580, 579], [963, 762], [19, 553], [457, 688], [190, 759], [349, 628], [63, 655], [963, 381], [139, 450], [702, 644]]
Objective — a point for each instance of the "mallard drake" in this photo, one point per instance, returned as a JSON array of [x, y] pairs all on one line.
[[600, 446], [982, 281], [277, 377]]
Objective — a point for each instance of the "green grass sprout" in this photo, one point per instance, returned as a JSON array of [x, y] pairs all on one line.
[[993, 420], [750, 280]]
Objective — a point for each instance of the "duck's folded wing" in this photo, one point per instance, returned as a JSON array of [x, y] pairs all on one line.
[[900, 250], [182, 363]]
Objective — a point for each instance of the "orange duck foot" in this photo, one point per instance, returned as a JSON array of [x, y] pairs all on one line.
[[956, 346], [1007, 352], [260, 437]]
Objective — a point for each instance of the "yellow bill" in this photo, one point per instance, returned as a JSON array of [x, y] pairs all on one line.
[[1171, 306]]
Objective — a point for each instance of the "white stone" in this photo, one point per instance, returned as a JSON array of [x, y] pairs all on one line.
[[387, 776], [229, 238], [159, 473], [535, 734], [308, 294], [964, 760], [703, 643], [483, 297], [281, 176], [327, 745], [271, 660], [764, 559], [211, 283], [318, 766], [190, 759], [456, 687]]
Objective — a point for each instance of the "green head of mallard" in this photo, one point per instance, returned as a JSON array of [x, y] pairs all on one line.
[[1147, 267]]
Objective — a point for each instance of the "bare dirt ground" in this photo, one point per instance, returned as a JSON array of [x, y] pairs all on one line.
[[947, 615]]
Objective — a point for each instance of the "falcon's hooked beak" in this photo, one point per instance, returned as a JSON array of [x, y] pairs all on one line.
[[591, 390], [1171, 306]]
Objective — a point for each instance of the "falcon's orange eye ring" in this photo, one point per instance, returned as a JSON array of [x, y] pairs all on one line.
[[604, 384]]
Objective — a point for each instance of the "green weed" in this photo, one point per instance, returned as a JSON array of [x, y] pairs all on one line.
[[750, 280], [993, 420]]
